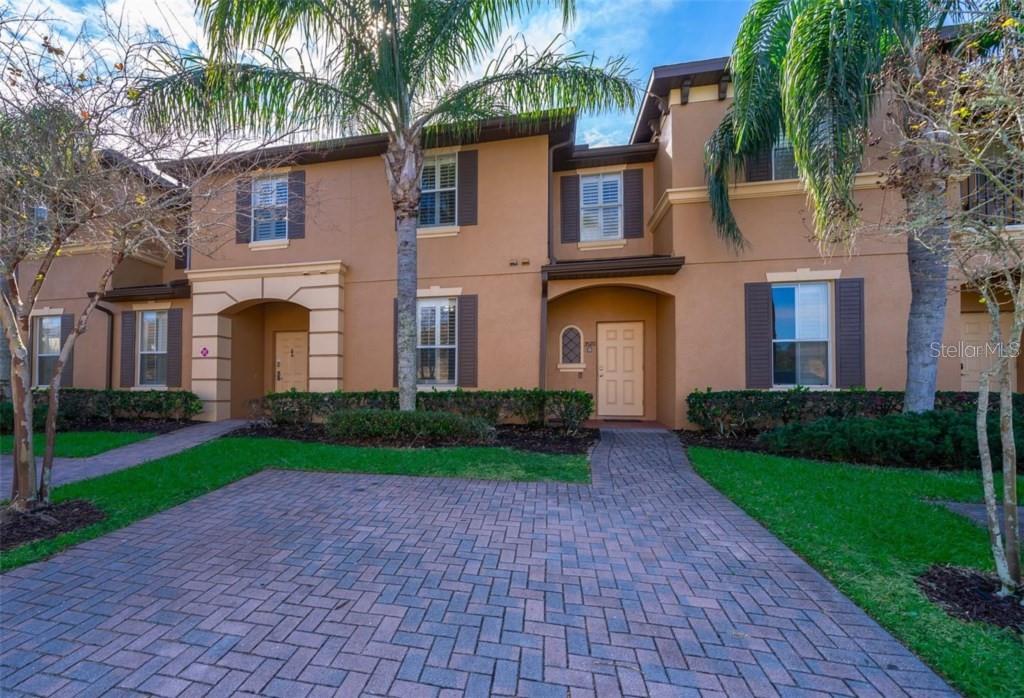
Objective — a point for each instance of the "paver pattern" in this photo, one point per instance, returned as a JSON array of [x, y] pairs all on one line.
[[648, 582], [67, 470]]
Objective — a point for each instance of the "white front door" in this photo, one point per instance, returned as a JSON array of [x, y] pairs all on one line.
[[978, 354], [620, 369], [291, 361]]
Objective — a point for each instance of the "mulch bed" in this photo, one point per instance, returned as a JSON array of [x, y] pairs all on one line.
[[971, 595], [734, 443], [18, 528], [541, 440]]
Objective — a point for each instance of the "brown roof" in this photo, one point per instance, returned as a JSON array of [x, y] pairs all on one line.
[[667, 77]]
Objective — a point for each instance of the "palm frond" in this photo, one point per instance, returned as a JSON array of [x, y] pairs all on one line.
[[234, 25], [721, 163], [536, 84], [255, 100]]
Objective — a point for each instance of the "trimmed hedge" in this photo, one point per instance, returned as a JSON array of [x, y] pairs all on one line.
[[394, 426], [942, 439], [750, 412], [533, 406], [84, 407]]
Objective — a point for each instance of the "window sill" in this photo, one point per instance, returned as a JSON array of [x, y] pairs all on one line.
[[269, 244], [434, 387], [571, 367], [601, 244], [148, 387], [438, 231], [812, 388]]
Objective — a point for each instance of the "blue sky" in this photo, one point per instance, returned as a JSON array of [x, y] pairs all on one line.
[[646, 32]]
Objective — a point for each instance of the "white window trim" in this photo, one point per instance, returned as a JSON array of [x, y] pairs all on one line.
[[571, 367], [138, 351], [39, 319], [441, 229], [600, 177], [437, 301], [259, 244], [830, 341]]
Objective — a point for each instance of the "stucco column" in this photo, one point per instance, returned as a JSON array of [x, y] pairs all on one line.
[[211, 365]]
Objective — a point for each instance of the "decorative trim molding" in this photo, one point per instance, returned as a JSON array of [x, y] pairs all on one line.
[[749, 190], [255, 272], [438, 292], [438, 231], [46, 312], [803, 274], [601, 244], [166, 305], [601, 169], [269, 244], [572, 368]]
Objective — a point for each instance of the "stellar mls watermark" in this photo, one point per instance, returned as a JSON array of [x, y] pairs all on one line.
[[970, 350]]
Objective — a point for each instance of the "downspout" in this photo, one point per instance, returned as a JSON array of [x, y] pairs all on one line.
[[551, 260], [110, 344]]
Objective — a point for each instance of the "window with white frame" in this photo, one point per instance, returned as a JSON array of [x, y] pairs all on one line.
[[801, 334], [152, 347], [571, 346], [270, 208], [438, 185], [783, 163], [436, 344], [601, 207], [47, 348]]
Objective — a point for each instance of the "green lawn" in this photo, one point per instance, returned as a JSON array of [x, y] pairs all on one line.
[[79, 444], [135, 493], [871, 532]]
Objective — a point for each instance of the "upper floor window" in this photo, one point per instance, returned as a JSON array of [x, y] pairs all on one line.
[[270, 208], [783, 164], [438, 191], [801, 334], [436, 344], [152, 348], [47, 348], [601, 207], [995, 202]]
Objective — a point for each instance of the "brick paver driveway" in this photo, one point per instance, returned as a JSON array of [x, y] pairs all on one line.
[[288, 583]]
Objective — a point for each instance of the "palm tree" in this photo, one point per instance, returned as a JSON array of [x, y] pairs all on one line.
[[397, 67], [812, 69]]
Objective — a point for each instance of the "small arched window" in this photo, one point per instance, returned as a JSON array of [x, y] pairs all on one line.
[[571, 347]]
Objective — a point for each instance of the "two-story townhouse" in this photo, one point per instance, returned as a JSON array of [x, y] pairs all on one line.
[[541, 262]]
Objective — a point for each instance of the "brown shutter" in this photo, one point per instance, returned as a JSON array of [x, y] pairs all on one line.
[[243, 210], [570, 208], [174, 317], [467, 187], [759, 166], [850, 367], [394, 348], [181, 256], [297, 204], [67, 326], [633, 203], [127, 349], [467, 341], [758, 319]]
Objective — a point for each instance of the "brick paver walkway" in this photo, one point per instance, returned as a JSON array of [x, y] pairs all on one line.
[[292, 583], [73, 469]]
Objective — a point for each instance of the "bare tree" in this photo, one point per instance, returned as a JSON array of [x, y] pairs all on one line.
[[79, 172], [975, 100]]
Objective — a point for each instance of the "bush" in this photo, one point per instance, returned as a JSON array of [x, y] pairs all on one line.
[[84, 407], [942, 439], [7, 418], [531, 406], [408, 427], [750, 412]]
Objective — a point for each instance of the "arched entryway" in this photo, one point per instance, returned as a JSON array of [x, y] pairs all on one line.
[[616, 342]]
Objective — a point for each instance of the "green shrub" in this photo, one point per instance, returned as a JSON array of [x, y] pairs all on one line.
[[7, 418], [532, 406], [750, 412], [408, 427], [942, 439], [570, 408]]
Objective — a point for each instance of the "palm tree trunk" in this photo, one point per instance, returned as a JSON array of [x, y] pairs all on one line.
[[928, 261], [407, 282]]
